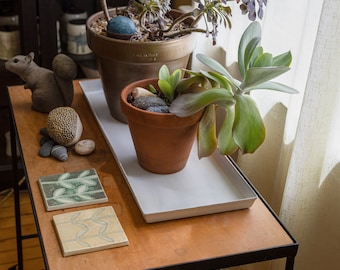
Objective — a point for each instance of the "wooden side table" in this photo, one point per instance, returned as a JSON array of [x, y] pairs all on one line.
[[205, 242]]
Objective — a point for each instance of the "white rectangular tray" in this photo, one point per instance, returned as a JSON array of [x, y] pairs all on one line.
[[206, 186]]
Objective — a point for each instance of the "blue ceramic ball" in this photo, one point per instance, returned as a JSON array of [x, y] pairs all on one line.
[[121, 25]]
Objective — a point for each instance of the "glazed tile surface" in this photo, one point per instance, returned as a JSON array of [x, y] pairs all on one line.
[[72, 189], [89, 230]]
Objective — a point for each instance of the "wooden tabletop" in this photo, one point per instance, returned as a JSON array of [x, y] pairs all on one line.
[[198, 242]]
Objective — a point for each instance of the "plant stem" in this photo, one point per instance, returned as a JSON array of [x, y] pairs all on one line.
[[105, 10]]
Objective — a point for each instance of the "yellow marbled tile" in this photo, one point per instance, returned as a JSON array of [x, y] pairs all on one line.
[[89, 230]]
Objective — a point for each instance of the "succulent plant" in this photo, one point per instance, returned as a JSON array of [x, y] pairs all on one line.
[[242, 126], [153, 16]]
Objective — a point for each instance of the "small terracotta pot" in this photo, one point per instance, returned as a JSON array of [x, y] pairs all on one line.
[[162, 141]]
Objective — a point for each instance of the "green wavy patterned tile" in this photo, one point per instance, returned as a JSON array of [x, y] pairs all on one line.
[[72, 189]]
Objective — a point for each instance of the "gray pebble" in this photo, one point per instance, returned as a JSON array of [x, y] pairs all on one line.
[[144, 102], [59, 152], [159, 109], [45, 139], [43, 131], [46, 148]]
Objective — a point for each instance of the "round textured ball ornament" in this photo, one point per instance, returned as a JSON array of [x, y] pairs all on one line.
[[64, 126], [121, 25]]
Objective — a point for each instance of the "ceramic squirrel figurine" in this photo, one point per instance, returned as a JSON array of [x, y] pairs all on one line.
[[50, 88]]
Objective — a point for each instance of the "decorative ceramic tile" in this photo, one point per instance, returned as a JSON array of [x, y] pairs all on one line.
[[72, 189], [89, 230]]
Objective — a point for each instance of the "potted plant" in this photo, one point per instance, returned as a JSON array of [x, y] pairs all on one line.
[[163, 36], [206, 91]]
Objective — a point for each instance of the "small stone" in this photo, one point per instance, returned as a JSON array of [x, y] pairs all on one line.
[[44, 140], [59, 152], [121, 25], [141, 92], [43, 131], [159, 109], [46, 148], [85, 147], [145, 102]]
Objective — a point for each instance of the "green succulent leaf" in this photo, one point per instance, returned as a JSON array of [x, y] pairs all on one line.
[[188, 83], [189, 104], [168, 82], [152, 89], [252, 31], [174, 78], [275, 86], [257, 75], [284, 59], [213, 64], [264, 60], [256, 54], [219, 79], [164, 73], [248, 130], [206, 135], [226, 143], [250, 49], [166, 89]]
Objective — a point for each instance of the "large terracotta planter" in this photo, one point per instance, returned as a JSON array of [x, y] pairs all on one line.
[[121, 62], [162, 141]]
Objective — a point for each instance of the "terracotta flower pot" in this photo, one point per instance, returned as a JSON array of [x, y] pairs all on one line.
[[121, 62], [162, 141]]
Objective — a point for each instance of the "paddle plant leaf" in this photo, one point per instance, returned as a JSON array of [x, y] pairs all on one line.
[[264, 60], [275, 86], [248, 130], [188, 104], [257, 75], [284, 59], [206, 135], [252, 31], [213, 64], [226, 143], [250, 49]]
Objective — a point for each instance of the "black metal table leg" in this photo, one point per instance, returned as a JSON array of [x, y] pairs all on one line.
[[16, 195]]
